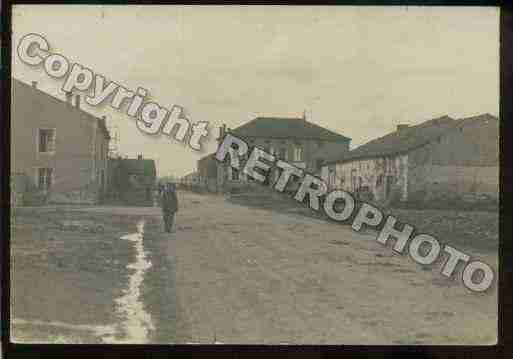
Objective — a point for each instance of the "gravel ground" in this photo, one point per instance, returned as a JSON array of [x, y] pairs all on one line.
[[237, 274], [251, 275]]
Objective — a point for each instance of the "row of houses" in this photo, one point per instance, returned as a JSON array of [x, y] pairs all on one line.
[[60, 154], [441, 158]]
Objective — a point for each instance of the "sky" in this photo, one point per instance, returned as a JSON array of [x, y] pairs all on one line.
[[358, 71]]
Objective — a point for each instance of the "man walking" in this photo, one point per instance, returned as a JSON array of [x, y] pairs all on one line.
[[169, 206]]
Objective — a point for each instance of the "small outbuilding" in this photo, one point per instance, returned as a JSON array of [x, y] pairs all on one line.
[[132, 181]]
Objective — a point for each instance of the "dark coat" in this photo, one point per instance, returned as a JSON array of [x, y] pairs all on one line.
[[169, 201]]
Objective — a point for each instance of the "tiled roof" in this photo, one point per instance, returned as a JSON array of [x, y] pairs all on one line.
[[407, 139], [280, 127]]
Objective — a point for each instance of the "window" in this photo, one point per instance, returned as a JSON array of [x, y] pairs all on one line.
[[298, 154], [353, 179], [379, 181], [282, 155], [46, 140], [44, 178], [235, 174]]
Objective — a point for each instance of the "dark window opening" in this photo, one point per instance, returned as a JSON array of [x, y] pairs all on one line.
[[235, 174], [44, 176], [46, 140]]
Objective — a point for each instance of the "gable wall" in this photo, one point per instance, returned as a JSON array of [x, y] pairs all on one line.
[[462, 162]]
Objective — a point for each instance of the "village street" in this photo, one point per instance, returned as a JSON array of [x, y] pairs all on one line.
[[236, 274], [246, 275]]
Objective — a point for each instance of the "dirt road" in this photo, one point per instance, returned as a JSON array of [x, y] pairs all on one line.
[[236, 275], [246, 275]]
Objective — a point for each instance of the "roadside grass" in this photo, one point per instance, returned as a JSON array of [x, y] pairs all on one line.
[[465, 229], [69, 276], [478, 230]]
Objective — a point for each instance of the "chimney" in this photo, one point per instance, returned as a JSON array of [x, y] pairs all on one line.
[[77, 101], [139, 157], [69, 96], [402, 127], [222, 132], [34, 84], [103, 121]]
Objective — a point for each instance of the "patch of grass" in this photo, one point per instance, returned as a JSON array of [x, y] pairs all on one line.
[[68, 276], [474, 229]]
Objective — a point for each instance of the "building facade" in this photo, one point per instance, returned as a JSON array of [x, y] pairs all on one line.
[[439, 159], [132, 181], [58, 150], [294, 140]]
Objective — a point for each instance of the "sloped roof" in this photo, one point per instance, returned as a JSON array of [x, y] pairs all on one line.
[[407, 139], [191, 175], [400, 141], [474, 119], [286, 127], [329, 150]]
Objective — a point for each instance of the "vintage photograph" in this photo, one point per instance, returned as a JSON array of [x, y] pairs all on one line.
[[283, 175]]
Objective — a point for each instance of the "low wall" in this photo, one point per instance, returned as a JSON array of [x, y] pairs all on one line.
[[89, 197], [435, 181]]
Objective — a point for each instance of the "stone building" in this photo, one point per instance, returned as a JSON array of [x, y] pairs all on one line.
[[295, 140], [58, 151], [441, 158], [132, 181], [207, 173]]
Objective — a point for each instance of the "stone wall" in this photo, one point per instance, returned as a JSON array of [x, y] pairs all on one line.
[[462, 164], [433, 182], [82, 196], [80, 147]]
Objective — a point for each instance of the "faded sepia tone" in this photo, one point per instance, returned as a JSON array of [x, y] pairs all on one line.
[[397, 107]]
